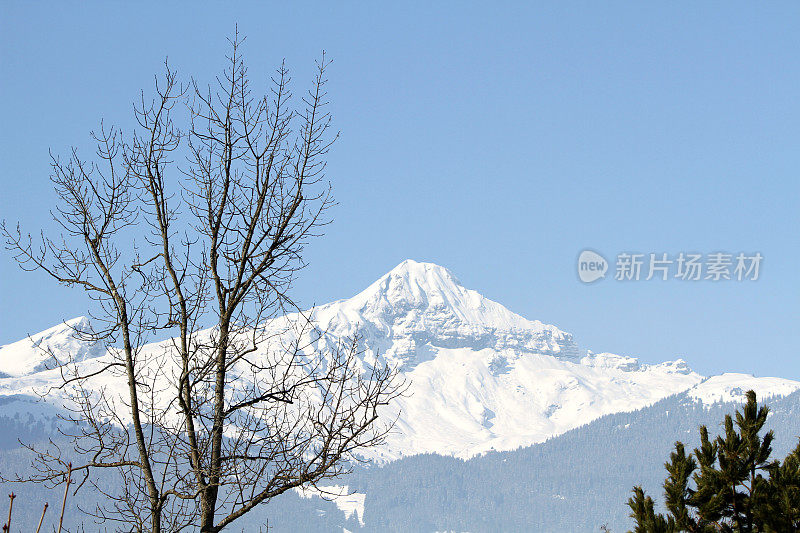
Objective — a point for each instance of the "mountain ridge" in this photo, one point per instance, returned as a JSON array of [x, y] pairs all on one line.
[[480, 377]]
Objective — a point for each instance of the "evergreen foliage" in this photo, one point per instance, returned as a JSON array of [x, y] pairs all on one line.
[[728, 484]]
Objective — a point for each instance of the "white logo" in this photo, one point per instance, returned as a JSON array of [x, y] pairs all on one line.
[[591, 266]]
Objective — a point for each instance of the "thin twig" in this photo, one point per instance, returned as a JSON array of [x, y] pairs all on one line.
[[64, 501], [11, 497], [42, 518]]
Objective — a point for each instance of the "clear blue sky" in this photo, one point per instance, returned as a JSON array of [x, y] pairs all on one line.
[[498, 140]]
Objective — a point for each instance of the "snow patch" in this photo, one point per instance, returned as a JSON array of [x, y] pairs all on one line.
[[349, 503], [733, 387]]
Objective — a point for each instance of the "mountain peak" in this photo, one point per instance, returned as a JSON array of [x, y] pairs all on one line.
[[35, 353], [423, 289], [412, 268], [416, 284], [427, 276], [418, 306]]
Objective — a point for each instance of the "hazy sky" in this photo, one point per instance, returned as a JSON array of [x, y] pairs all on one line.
[[495, 139]]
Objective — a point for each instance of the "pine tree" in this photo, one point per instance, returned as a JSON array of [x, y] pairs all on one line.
[[676, 490], [647, 521], [781, 510], [737, 488]]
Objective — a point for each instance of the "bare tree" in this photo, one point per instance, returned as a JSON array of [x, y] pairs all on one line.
[[240, 404]]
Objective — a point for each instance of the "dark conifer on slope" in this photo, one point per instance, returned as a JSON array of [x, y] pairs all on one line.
[[736, 487]]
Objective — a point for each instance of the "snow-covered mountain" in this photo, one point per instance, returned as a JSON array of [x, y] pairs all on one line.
[[480, 376], [44, 350], [417, 308]]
